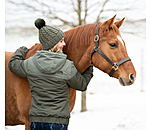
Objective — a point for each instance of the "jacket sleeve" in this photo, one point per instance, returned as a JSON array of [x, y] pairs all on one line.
[[16, 63], [81, 81]]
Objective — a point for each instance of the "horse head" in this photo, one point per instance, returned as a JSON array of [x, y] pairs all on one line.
[[113, 46]]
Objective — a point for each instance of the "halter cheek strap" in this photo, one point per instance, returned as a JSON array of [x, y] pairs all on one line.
[[97, 49]]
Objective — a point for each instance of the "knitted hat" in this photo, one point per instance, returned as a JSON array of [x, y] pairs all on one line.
[[49, 36]]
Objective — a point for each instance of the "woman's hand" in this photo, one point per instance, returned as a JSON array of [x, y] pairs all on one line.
[[29, 46]]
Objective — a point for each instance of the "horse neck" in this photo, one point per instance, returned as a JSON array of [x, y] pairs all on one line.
[[79, 42]]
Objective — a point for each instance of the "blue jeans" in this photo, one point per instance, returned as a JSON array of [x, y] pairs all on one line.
[[47, 126]]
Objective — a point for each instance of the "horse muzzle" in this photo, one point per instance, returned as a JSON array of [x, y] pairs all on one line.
[[124, 81]]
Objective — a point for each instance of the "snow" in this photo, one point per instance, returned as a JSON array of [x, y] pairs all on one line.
[[111, 112], [110, 106]]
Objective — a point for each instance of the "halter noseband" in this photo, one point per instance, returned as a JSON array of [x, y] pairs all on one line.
[[97, 49]]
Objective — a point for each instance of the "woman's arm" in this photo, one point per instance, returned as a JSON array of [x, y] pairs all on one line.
[[81, 81], [16, 63]]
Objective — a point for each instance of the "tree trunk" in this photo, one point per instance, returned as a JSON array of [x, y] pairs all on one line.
[[79, 12], [83, 101]]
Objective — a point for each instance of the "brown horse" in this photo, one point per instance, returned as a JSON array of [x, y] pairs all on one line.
[[79, 46]]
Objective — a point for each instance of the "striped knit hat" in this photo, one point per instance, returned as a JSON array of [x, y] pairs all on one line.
[[49, 36]]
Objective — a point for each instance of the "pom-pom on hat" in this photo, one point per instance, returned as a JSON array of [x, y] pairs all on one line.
[[49, 36]]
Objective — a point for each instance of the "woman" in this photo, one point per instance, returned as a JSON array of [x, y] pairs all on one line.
[[50, 75]]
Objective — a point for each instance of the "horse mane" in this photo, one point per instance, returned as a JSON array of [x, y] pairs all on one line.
[[80, 36]]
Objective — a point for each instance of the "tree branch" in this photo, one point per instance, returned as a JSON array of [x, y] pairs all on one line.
[[49, 12], [98, 17], [85, 12]]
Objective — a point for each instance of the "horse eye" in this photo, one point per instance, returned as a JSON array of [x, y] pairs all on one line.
[[113, 44]]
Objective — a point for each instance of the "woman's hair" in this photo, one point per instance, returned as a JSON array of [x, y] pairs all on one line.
[[55, 49]]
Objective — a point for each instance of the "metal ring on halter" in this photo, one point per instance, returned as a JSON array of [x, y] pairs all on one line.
[[115, 66], [96, 38], [96, 48]]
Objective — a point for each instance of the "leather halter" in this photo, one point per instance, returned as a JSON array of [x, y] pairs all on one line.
[[97, 49]]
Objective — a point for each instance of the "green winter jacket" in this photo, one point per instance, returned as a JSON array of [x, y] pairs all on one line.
[[50, 75]]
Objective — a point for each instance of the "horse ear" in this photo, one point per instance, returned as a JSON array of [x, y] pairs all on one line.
[[119, 23], [110, 22]]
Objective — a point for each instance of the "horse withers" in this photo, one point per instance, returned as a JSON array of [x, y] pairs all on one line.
[[80, 43]]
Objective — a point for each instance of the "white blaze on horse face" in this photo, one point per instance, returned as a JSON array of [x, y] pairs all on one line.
[[120, 39]]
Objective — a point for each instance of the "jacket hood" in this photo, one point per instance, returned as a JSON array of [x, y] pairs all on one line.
[[49, 62]]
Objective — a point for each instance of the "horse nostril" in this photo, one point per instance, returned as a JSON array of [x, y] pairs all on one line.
[[131, 76]]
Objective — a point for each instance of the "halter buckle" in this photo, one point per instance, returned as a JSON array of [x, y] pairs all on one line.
[[96, 48], [115, 66], [96, 38]]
